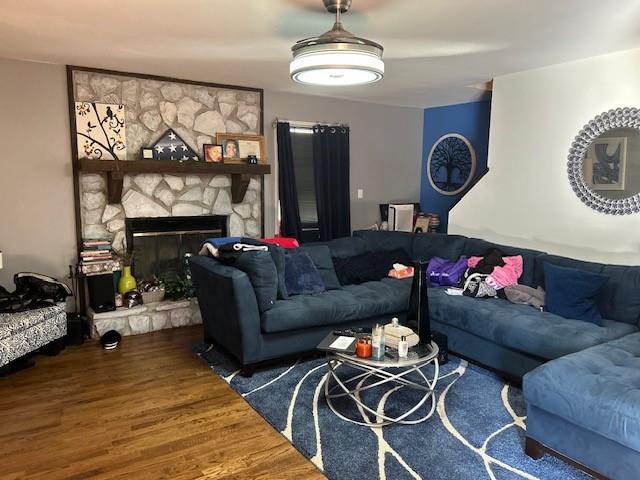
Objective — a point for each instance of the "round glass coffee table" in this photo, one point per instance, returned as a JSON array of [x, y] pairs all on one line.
[[392, 372]]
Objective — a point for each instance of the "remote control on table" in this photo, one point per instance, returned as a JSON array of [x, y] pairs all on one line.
[[351, 332]]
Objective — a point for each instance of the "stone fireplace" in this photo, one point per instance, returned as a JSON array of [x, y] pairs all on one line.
[[196, 112], [163, 202]]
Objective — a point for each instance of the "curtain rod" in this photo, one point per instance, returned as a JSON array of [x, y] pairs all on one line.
[[299, 123]]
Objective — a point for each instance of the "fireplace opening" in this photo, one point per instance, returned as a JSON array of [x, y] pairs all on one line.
[[160, 244]]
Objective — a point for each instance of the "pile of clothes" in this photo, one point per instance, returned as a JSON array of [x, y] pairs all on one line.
[[491, 275], [33, 290], [492, 272]]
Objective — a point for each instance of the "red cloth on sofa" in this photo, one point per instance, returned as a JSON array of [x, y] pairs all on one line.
[[283, 242]]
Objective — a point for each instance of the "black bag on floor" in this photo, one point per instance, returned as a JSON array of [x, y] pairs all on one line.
[[33, 290]]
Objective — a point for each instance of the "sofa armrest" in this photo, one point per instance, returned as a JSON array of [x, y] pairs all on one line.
[[229, 308]]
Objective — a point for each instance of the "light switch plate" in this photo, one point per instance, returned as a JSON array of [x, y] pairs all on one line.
[[360, 193]]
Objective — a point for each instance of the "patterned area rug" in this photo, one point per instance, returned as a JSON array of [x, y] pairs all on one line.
[[476, 430]]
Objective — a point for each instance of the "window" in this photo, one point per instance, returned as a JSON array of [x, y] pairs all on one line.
[[302, 146]]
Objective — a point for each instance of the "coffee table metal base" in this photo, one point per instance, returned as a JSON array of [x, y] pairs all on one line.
[[393, 375]]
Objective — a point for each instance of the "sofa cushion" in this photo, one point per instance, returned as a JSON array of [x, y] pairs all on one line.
[[521, 327], [477, 247], [377, 240], [429, 245], [301, 275], [618, 300], [571, 293], [353, 302], [597, 389], [321, 257], [262, 274], [277, 255]]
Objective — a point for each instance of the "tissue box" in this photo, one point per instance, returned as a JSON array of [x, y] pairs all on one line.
[[404, 273]]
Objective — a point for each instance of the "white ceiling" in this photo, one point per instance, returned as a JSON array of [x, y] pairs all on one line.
[[434, 49]]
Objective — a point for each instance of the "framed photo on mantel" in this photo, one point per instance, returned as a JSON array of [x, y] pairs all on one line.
[[237, 147]]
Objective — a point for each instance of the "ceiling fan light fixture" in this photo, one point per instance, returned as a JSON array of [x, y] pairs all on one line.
[[337, 57], [336, 67]]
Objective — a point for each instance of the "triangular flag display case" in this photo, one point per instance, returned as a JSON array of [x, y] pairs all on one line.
[[171, 146]]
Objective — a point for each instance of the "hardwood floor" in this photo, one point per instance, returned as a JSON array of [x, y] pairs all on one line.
[[149, 410]]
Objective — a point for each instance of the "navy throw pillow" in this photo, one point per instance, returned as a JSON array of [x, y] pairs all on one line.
[[301, 275], [571, 293], [262, 274], [321, 258]]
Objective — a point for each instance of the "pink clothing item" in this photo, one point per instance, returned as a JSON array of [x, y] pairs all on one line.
[[508, 275], [473, 261]]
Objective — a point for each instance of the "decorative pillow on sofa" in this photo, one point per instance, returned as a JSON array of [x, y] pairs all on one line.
[[368, 267], [321, 258], [262, 274], [571, 293], [277, 254], [301, 275]]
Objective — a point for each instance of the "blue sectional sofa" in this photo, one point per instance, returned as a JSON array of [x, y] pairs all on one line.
[[514, 339], [586, 406]]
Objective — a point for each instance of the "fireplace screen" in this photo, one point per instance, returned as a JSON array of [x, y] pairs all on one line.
[[160, 244]]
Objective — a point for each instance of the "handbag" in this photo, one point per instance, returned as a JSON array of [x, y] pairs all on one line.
[[446, 273]]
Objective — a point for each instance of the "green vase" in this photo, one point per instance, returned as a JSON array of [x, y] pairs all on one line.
[[127, 281]]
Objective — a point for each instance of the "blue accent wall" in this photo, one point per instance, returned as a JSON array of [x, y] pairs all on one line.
[[468, 119]]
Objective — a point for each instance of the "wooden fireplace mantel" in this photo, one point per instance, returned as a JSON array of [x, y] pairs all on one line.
[[116, 170]]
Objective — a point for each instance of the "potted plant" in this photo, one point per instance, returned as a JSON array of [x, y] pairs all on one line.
[[127, 282]]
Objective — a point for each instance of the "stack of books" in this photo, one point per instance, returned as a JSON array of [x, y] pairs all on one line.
[[96, 257]]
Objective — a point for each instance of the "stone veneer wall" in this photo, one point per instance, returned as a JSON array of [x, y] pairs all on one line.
[[155, 195], [196, 113]]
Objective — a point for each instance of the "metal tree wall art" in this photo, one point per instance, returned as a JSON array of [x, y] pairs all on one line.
[[100, 131], [451, 164]]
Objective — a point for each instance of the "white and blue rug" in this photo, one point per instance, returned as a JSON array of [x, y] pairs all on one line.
[[476, 431]]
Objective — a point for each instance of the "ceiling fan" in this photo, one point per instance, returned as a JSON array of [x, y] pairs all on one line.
[[337, 57]]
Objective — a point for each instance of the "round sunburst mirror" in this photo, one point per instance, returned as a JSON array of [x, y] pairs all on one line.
[[604, 162]]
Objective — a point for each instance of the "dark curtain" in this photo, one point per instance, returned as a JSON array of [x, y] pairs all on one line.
[[331, 172], [289, 211]]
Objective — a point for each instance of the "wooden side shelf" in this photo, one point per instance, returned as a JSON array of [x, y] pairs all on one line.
[[116, 169]]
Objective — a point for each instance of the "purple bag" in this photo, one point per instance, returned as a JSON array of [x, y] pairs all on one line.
[[446, 273]]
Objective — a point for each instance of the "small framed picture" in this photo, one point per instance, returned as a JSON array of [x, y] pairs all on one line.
[[249, 147], [605, 164], [213, 153], [239, 147], [230, 148], [147, 153]]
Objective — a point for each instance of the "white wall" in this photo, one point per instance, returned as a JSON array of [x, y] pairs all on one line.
[[526, 198], [37, 230], [385, 143]]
